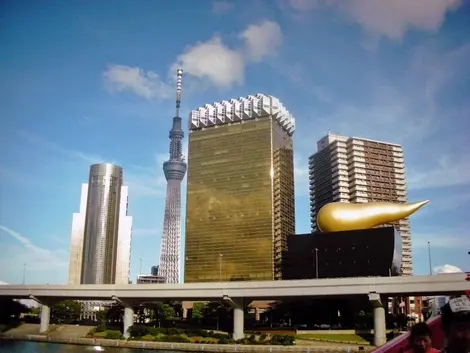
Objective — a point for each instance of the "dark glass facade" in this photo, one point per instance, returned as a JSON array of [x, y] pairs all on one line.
[[240, 201], [361, 253]]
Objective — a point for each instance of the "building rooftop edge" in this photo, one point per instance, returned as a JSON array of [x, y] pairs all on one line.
[[355, 138], [106, 164], [372, 140], [241, 109]]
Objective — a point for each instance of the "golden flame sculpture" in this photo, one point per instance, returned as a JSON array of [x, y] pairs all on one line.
[[341, 216]]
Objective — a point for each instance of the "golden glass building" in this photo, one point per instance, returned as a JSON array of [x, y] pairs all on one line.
[[240, 194]]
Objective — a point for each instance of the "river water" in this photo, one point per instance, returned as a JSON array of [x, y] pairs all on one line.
[[7, 346]]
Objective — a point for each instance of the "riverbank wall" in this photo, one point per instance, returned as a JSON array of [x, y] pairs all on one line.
[[184, 347]]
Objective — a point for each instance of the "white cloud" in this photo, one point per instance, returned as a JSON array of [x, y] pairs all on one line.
[[303, 5], [220, 7], [387, 18], [37, 259], [394, 18], [262, 40], [119, 78], [447, 269], [211, 62], [449, 170], [214, 61]]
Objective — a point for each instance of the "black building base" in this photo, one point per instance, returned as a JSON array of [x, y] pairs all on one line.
[[359, 253]]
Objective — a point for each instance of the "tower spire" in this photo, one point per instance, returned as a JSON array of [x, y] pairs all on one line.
[[179, 82], [174, 169], [176, 133]]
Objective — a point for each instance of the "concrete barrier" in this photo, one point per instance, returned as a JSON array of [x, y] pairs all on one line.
[[184, 347]]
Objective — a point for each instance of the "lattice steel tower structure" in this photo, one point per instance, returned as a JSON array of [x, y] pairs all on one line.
[[174, 169]]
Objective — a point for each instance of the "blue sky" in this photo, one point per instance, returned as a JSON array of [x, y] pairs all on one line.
[[92, 81]]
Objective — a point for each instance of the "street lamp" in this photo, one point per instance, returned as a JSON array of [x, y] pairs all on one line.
[[24, 273], [141, 260], [220, 267], [316, 261], [429, 258]]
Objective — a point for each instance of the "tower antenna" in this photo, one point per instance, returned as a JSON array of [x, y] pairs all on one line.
[[179, 82]]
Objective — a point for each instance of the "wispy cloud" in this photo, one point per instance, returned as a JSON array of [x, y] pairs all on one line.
[[145, 184], [144, 232], [456, 238], [301, 175], [221, 7], [11, 175], [24, 251], [119, 78], [60, 240], [406, 110], [391, 19], [142, 181], [444, 202], [51, 146], [449, 170]]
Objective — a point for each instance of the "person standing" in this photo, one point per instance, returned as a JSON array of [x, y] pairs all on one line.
[[456, 325], [421, 339]]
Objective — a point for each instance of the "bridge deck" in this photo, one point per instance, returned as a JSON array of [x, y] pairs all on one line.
[[449, 284]]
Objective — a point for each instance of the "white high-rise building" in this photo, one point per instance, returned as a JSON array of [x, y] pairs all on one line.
[[352, 169], [100, 248]]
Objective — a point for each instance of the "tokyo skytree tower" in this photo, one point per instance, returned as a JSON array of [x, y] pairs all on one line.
[[174, 169]]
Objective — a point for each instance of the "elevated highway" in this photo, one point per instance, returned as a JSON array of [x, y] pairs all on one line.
[[448, 284], [238, 294]]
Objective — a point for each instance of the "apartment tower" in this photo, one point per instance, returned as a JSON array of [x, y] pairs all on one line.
[[240, 194], [101, 232], [351, 169]]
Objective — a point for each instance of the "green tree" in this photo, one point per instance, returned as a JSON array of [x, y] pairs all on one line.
[[66, 312], [198, 311], [168, 312]]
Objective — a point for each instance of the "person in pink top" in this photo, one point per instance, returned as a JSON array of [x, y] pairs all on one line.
[[421, 339]]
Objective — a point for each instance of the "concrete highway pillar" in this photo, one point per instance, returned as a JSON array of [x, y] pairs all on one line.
[[128, 320], [380, 337], [257, 314], [238, 319], [238, 316], [45, 318]]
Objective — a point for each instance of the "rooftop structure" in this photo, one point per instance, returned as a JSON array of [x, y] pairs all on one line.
[[242, 109]]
